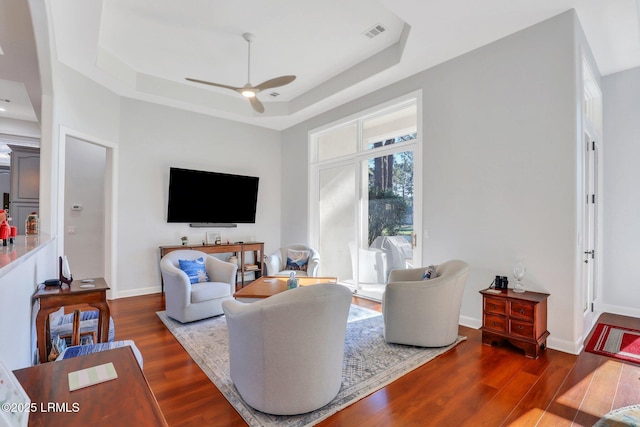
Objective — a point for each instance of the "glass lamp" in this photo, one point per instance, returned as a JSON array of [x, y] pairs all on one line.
[[519, 271]]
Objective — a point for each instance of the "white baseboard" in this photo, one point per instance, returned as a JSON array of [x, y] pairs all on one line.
[[564, 345], [470, 322], [137, 292], [621, 310]]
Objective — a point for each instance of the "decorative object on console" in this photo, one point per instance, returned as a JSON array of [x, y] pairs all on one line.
[[519, 270], [213, 238], [65, 271], [5, 232], [32, 224], [184, 240]]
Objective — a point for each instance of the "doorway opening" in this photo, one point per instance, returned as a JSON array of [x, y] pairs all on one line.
[[87, 206], [365, 195]]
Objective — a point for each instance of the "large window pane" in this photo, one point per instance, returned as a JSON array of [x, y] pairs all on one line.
[[337, 216], [390, 128], [338, 142]]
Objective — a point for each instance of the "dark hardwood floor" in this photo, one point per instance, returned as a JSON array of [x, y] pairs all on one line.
[[471, 385]]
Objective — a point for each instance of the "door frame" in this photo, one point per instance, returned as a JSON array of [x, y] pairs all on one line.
[[591, 226], [416, 146], [111, 201], [590, 136]]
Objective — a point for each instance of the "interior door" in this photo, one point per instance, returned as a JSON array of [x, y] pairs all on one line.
[[590, 241]]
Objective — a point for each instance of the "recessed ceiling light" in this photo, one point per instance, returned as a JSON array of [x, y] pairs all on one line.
[[3, 109], [1, 52]]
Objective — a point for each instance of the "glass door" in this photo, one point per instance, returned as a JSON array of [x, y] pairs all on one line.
[[363, 176]]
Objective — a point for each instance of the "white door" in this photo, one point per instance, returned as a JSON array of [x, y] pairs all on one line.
[[590, 241]]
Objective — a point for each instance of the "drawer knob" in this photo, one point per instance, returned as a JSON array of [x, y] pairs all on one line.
[[494, 323], [521, 311], [520, 327], [494, 306]]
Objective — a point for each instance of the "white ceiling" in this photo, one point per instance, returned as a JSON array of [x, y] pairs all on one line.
[[144, 50]]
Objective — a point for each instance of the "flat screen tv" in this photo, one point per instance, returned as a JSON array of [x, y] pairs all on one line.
[[211, 198]]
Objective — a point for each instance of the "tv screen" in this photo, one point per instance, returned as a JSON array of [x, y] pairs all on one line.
[[211, 197]]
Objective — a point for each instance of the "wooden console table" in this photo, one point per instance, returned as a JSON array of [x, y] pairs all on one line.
[[126, 400], [237, 248], [520, 318], [53, 297]]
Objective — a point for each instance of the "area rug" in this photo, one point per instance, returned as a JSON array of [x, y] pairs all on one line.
[[615, 341], [370, 363], [628, 416]]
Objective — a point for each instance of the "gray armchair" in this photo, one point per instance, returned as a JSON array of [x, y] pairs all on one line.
[[187, 302], [424, 313], [276, 263], [286, 351]]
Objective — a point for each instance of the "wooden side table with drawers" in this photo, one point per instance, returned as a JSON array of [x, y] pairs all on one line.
[[519, 318]]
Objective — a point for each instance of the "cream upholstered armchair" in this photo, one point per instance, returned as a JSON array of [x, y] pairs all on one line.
[[426, 312], [187, 301], [286, 351], [291, 258]]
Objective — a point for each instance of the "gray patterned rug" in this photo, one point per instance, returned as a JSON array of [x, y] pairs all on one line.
[[370, 363]]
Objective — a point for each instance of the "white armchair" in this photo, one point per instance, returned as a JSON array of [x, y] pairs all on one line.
[[286, 351], [276, 263], [424, 313], [187, 302]]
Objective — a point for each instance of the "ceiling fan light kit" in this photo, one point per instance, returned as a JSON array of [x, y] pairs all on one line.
[[248, 90]]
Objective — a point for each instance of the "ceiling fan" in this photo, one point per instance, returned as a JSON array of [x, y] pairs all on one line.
[[248, 90]]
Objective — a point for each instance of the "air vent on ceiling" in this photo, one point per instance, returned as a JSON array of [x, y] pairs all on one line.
[[274, 94], [375, 31]]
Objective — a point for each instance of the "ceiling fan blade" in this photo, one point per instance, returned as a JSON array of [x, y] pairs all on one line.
[[278, 81], [212, 84], [256, 104]]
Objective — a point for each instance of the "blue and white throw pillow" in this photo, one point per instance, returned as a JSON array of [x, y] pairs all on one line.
[[195, 269], [297, 260], [430, 273]]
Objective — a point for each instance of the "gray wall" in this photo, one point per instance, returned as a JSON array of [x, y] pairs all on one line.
[[500, 165], [621, 203], [85, 185], [154, 138]]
